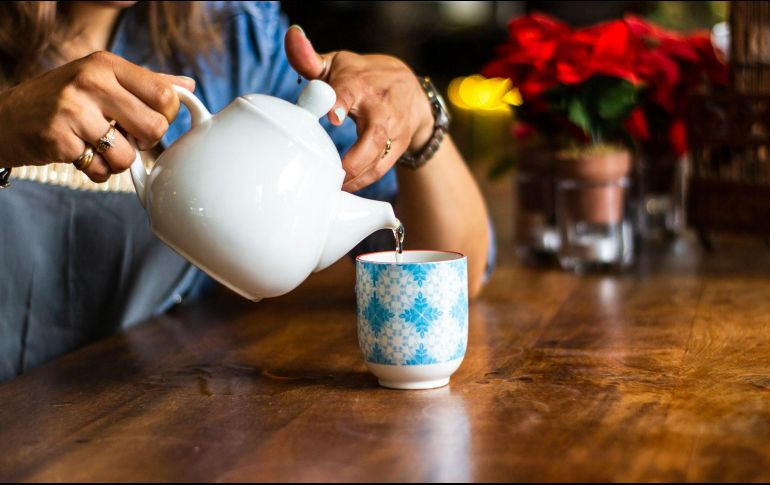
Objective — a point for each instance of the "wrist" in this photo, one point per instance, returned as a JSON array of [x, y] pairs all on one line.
[[433, 126], [425, 131]]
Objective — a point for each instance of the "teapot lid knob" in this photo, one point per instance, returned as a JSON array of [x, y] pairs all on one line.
[[317, 97]]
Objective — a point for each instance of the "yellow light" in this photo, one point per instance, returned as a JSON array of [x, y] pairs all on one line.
[[454, 93], [479, 93], [513, 97]]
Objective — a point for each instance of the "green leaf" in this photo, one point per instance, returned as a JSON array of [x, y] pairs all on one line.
[[578, 114], [616, 100]]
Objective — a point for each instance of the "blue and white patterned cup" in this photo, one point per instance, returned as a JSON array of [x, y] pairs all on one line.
[[412, 316]]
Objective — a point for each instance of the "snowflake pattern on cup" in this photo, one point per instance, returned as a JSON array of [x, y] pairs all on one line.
[[421, 314], [412, 313]]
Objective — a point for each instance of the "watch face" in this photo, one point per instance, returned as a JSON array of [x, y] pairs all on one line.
[[443, 107], [442, 117]]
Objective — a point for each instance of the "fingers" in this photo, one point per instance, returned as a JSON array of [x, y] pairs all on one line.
[[186, 82], [120, 155], [346, 101], [152, 89], [366, 161], [144, 123], [302, 56], [97, 170], [312, 65], [59, 143], [142, 102]]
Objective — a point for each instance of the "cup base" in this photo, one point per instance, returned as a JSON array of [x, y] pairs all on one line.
[[415, 385], [426, 376]]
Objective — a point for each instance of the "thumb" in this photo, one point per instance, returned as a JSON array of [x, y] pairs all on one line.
[[186, 82], [301, 54]]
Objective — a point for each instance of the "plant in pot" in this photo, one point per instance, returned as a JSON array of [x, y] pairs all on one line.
[[578, 89], [671, 66]]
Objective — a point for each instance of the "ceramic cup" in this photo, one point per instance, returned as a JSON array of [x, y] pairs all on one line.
[[412, 316]]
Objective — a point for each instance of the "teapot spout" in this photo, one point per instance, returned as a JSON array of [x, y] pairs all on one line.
[[354, 218]]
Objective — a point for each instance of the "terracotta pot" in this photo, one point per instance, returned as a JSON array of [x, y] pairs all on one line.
[[593, 185]]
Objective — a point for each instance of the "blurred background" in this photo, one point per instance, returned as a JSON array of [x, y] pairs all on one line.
[[452, 41]]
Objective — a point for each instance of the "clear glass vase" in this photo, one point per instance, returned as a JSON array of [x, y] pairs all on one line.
[[660, 196], [595, 231], [536, 235], [590, 243]]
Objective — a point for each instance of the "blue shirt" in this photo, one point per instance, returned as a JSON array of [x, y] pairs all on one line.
[[253, 61]]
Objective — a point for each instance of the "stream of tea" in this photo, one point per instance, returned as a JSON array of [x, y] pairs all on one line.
[[398, 234]]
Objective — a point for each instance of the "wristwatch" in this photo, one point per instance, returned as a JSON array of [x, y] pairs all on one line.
[[440, 127]]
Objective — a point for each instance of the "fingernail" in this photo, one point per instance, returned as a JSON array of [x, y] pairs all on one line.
[[187, 78], [295, 26], [340, 113]]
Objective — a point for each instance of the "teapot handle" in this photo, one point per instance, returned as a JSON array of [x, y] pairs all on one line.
[[198, 114]]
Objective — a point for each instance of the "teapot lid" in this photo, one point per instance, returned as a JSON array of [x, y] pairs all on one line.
[[300, 121]]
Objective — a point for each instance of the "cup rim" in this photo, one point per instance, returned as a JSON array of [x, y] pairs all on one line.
[[360, 257]]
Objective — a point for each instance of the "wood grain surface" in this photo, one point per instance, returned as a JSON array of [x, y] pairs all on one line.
[[659, 374]]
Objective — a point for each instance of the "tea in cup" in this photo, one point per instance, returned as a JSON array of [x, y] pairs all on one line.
[[412, 316]]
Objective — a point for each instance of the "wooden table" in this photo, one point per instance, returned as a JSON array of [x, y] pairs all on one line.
[[659, 374]]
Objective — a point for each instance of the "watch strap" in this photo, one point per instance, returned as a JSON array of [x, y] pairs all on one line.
[[441, 125]]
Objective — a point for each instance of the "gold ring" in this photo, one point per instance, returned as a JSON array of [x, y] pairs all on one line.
[[388, 144], [107, 141], [84, 160]]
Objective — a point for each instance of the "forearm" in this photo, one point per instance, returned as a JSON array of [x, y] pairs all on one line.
[[441, 207]]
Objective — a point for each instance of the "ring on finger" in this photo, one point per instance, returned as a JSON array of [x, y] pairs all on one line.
[[388, 145], [84, 160], [107, 141]]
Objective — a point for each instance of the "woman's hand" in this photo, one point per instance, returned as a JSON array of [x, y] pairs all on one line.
[[440, 204], [54, 117], [380, 93]]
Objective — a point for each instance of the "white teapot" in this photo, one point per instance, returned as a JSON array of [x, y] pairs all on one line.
[[252, 195]]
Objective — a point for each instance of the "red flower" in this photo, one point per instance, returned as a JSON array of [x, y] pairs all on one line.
[[677, 136], [527, 58], [661, 76], [542, 53], [671, 65], [522, 131], [641, 29], [534, 39], [604, 49], [636, 125], [712, 65]]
